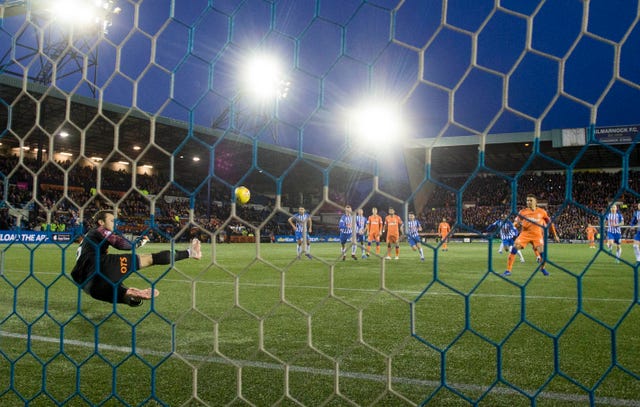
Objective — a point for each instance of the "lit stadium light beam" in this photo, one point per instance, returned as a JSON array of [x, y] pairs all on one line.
[[264, 80], [83, 13], [375, 122]]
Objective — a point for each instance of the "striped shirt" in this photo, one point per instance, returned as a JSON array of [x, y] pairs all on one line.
[[301, 221], [361, 221], [413, 229], [505, 227], [345, 224], [612, 220]]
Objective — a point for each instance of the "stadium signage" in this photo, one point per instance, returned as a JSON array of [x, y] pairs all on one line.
[[312, 239], [8, 236], [617, 135]]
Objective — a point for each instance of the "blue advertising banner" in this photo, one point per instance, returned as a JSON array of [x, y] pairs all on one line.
[[617, 135], [12, 236], [312, 239]]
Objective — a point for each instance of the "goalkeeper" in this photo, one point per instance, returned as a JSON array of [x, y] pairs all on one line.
[[100, 274]]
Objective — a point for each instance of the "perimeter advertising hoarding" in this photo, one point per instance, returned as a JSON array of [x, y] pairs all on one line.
[[12, 236], [312, 239]]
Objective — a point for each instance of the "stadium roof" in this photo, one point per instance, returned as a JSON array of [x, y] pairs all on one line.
[[116, 133], [112, 132], [509, 153]]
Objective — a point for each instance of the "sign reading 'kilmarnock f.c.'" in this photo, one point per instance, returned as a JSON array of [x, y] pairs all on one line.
[[608, 135], [618, 134]]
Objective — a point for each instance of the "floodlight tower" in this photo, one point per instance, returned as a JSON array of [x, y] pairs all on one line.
[[63, 35], [263, 85], [59, 41]]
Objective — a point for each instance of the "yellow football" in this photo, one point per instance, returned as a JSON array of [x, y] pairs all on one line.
[[242, 195]]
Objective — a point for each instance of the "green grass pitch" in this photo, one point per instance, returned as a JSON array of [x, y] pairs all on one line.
[[251, 325]]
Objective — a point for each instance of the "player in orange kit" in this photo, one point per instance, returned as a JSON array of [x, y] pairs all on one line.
[[591, 236], [443, 230], [532, 221], [374, 230], [392, 223]]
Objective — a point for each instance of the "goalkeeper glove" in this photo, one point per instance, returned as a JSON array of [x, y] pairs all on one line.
[[143, 241]]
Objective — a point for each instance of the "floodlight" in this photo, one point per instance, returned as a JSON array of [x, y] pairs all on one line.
[[83, 12], [376, 121], [263, 78]]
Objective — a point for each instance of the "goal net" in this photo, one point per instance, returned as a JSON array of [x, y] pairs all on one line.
[[154, 111]]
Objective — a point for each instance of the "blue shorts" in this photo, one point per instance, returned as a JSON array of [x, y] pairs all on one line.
[[344, 237], [299, 236], [508, 242], [637, 236], [413, 240], [614, 236], [360, 238]]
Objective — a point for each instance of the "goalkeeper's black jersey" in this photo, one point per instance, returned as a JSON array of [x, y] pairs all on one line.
[[94, 248]]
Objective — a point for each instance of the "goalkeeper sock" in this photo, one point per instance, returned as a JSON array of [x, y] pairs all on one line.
[[164, 257]]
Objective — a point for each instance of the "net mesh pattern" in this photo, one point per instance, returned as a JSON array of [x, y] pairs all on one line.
[[159, 131]]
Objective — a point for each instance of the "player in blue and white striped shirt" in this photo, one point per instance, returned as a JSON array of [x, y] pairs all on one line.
[[413, 228], [345, 225], [301, 224], [635, 221], [612, 221], [361, 230], [508, 234]]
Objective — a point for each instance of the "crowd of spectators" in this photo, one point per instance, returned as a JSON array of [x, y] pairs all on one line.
[[484, 198], [59, 208]]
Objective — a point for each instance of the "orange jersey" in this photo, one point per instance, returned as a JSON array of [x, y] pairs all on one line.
[[444, 229], [392, 223], [374, 225], [533, 222], [591, 233]]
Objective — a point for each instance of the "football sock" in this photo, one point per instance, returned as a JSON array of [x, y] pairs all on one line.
[[510, 260], [164, 257]]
